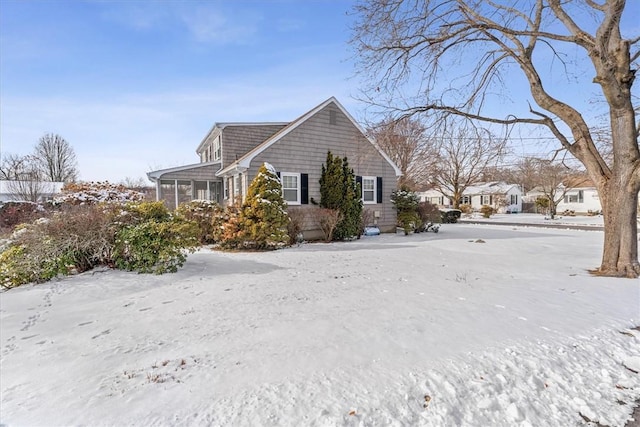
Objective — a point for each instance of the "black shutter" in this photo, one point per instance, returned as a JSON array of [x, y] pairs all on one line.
[[278, 173], [379, 189], [304, 188], [359, 183]]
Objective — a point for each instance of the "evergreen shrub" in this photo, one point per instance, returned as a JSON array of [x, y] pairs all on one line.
[[340, 191]]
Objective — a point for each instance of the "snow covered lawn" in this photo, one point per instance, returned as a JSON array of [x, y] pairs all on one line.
[[478, 325]]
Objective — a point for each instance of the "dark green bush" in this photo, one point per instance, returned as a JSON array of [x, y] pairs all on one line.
[[450, 216], [406, 204]]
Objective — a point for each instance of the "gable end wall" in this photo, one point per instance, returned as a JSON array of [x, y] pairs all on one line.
[[304, 150]]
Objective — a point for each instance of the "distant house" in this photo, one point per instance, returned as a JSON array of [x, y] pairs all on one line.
[[579, 196], [30, 191], [502, 196], [231, 153]]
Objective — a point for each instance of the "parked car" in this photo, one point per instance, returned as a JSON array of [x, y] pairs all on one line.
[[450, 216]]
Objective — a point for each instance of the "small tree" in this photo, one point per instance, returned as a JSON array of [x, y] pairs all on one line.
[[463, 158], [263, 218], [339, 190], [406, 203], [406, 141]]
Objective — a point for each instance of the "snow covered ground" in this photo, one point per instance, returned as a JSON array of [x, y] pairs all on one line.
[[478, 325], [538, 219]]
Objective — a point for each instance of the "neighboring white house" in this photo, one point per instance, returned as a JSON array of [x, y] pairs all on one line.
[[580, 200], [18, 191], [502, 196]]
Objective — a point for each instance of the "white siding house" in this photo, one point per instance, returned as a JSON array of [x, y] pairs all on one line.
[[502, 196], [31, 191], [580, 200]]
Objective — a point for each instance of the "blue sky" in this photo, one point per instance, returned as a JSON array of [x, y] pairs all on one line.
[[135, 85]]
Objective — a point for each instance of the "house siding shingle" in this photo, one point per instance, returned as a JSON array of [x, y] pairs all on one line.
[[304, 150], [238, 140]]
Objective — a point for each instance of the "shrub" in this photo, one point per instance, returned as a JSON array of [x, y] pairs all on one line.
[[450, 216], [339, 190], [73, 240], [155, 246], [297, 218], [406, 203], [428, 213], [202, 212], [16, 267], [14, 213], [225, 226], [136, 236], [261, 222], [91, 193], [486, 211], [366, 218], [466, 208], [327, 220]]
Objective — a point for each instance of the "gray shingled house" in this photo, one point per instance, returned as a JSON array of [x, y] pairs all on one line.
[[231, 153]]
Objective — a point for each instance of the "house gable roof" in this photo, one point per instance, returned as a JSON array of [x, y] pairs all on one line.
[[245, 161], [496, 187], [218, 127]]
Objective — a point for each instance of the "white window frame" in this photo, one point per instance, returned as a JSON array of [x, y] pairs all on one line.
[[485, 198], [298, 187], [217, 149], [374, 190]]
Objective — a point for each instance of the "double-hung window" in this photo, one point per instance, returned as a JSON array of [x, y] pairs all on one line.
[[216, 149], [290, 187], [369, 189]]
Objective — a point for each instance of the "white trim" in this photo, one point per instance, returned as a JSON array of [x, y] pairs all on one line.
[[375, 192], [298, 187], [157, 174]]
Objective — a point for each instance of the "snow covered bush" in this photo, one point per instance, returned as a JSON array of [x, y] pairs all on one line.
[[262, 220], [72, 240], [203, 213], [406, 203], [143, 237], [87, 193]]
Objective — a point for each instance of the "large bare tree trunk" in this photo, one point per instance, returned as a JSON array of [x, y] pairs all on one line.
[[620, 255]]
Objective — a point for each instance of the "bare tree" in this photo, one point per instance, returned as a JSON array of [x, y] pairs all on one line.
[[407, 144], [461, 53], [24, 181], [464, 155], [553, 180], [56, 158], [14, 167]]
